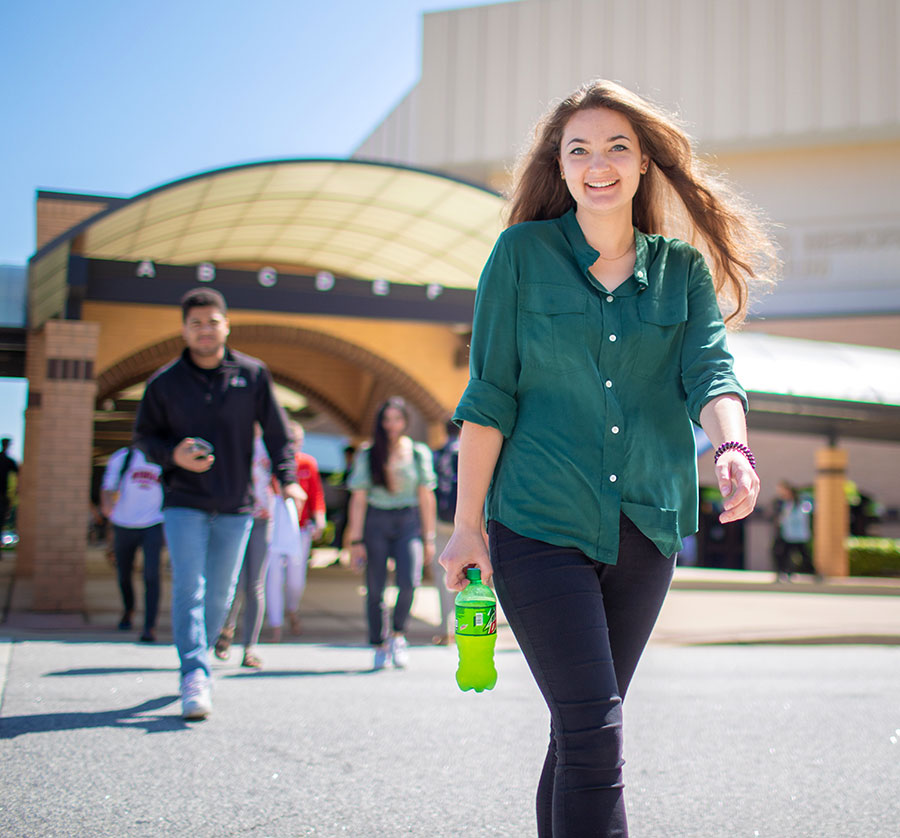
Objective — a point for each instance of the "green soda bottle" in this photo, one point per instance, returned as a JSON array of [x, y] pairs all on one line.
[[476, 634]]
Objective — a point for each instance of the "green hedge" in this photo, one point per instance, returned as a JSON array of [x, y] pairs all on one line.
[[874, 556]]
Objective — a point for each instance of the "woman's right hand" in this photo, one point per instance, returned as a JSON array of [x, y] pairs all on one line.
[[466, 547]]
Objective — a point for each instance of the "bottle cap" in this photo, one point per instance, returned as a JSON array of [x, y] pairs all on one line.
[[473, 574]]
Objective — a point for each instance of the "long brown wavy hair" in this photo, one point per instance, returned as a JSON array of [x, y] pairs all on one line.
[[380, 450], [679, 196]]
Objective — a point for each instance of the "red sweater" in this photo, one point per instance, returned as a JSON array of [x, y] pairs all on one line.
[[311, 483]]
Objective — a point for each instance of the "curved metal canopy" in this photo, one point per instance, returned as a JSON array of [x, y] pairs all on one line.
[[353, 218]]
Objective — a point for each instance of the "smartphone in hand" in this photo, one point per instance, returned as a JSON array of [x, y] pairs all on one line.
[[200, 448]]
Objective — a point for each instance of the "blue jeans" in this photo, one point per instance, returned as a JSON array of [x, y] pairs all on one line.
[[582, 627], [205, 549]]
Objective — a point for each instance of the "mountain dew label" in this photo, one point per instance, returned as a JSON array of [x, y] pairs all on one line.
[[476, 620]]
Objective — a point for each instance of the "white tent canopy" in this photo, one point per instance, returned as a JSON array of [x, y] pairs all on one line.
[[808, 386], [816, 369]]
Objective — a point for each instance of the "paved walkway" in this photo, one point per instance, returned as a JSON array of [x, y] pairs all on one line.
[[703, 607], [721, 740]]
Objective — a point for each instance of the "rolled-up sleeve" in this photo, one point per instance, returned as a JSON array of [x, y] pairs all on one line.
[[707, 366], [425, 466], [359, 474], [490, 396]]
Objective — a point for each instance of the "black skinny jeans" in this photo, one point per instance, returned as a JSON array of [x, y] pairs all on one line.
[[391, 533], [582, 627]]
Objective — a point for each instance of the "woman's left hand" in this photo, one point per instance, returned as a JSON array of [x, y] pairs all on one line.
[[739, 485]]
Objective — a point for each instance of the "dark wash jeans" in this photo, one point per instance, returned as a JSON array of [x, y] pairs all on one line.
[[582, 627], [391, 533], [126, 541]]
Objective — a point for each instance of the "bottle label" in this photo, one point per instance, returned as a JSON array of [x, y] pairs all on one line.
[[476, 620]]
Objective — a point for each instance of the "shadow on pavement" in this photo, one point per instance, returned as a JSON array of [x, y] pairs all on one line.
[[295, 673], [109, 670], [125, 717]]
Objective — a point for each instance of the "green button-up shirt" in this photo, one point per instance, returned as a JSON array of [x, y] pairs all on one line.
[[594, 391]]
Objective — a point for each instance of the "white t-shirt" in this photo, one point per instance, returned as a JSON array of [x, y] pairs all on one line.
[[140, 490]]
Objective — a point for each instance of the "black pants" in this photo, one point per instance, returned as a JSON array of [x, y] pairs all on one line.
[[582, 627], [391, 533], [784, 557], [126, 542]]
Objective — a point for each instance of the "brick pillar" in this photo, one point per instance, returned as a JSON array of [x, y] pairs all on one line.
[[832, 514], [56, 467], [26, 516]]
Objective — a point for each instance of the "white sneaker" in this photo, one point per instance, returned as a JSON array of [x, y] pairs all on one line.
[[399, 652], [381, 657], [196, 702]]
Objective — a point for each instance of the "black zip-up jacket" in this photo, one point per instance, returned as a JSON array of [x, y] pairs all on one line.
[[181, 400]]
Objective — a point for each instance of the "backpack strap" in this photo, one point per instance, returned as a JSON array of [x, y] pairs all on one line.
[[125, 463]]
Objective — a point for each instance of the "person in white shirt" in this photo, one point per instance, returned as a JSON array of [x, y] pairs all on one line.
[[131, 497]]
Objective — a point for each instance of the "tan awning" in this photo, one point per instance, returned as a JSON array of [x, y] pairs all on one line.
[[352, 218]]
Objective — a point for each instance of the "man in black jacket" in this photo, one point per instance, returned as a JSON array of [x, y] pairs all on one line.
[[196, 421]]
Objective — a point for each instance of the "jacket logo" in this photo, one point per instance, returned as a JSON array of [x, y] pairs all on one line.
[[238, 381]]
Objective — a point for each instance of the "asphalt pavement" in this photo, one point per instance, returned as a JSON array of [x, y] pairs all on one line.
[[779, 742], [758, 710]]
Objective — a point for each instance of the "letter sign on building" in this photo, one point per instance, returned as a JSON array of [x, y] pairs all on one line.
[[381, 287], [146, 268], [206, 272], [324, 281], [267, 277]]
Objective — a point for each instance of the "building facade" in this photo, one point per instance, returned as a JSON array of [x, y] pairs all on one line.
[[797, 101], [353, 281]]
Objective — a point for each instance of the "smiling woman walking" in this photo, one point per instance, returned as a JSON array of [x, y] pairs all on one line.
[[597, 338]]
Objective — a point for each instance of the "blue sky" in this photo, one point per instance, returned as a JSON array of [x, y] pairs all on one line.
[[117, 97]]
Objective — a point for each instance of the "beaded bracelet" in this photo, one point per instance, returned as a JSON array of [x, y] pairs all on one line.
[[735, 446]]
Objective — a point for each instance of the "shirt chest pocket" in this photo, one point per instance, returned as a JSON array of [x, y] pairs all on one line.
[[552, 327], [662, 325]]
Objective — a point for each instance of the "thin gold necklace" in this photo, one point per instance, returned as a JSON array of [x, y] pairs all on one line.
[[615, 258]]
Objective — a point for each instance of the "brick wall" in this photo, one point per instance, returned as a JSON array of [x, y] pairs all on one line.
[[55, 499], [56, 215]]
